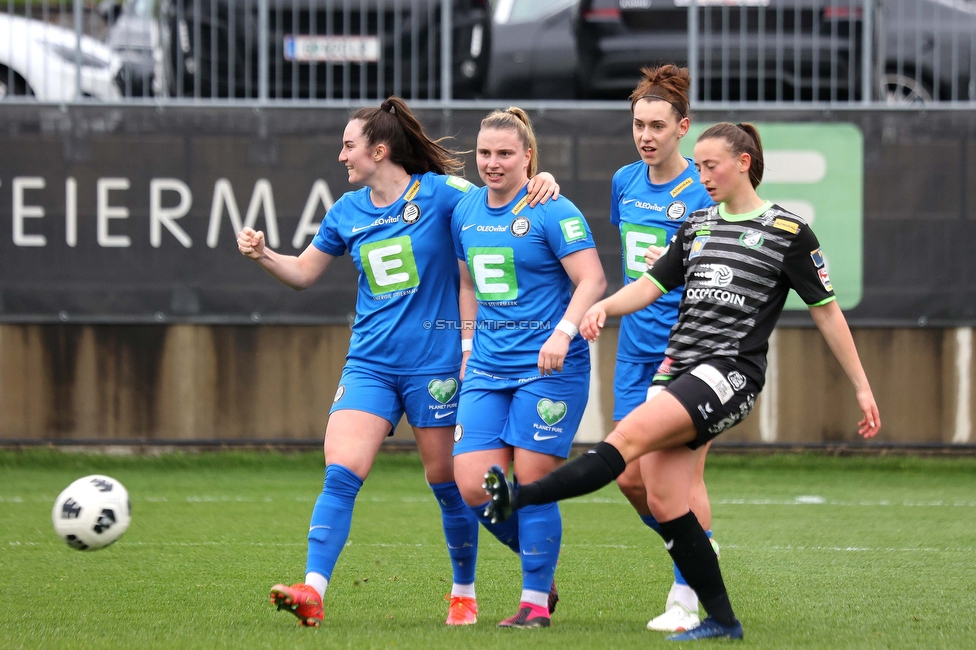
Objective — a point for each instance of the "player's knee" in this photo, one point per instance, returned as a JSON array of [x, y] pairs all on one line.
[[632, 487]]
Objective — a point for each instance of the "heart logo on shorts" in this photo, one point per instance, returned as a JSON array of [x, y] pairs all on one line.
[[551, 412], [443, 391]]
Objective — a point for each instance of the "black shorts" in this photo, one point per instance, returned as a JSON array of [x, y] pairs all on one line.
[[716, 395]]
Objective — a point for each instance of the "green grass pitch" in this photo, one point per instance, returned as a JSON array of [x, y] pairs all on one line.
[[816, 552]]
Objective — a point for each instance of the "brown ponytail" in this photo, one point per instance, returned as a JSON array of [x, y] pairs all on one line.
[[741, 138], [394, 125], [515, 119], [667, 83]]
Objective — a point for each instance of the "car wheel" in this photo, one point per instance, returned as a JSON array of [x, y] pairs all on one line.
[[903, 89], [13, 86]]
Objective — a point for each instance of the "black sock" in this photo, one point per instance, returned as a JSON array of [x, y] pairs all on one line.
[[588, 473], [694, 556]]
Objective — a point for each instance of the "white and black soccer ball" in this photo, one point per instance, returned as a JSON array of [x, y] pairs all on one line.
[[92, 512]]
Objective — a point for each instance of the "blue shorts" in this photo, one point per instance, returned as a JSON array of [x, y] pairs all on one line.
[[536, 413], [630, 384], [428, 400]]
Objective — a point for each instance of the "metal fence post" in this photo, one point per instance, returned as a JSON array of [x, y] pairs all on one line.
[[693, 48], [447, 50], [867, 52], [79, 30], [263, 62]]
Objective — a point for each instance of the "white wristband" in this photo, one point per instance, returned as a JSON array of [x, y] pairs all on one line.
[[567, 327], [467, 345]]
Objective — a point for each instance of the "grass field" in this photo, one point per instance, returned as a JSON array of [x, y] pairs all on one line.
[[817, 553]]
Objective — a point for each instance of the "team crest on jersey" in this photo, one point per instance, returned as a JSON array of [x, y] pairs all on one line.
[[697, 246], [411, 213], [520, 226], [458, 432], [340, 391], [751, 239], [676, 210]]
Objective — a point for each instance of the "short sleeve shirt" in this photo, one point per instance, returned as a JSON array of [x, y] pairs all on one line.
[[408, 277], [513, 254], [649, 214], [737, 271]]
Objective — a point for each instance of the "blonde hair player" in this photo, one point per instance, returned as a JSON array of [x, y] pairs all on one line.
[[397, 231]]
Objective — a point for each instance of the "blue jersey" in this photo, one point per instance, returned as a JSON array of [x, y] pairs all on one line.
[[407, 276], [649, 215], [513, 254]]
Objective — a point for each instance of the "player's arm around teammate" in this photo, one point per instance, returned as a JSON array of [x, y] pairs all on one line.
[[397, 229]]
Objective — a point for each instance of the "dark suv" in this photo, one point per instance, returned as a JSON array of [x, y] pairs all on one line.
[[784, 50], [740, 58], [321, 49]]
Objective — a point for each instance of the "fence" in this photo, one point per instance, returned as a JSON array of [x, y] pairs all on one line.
[[802, 53]]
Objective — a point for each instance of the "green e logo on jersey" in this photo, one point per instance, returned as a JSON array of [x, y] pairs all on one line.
[[573, 229], [493, 271], [635, 241], [389, 265]]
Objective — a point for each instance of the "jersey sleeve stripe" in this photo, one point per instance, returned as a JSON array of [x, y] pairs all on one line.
[[650, 277], [823, 302]]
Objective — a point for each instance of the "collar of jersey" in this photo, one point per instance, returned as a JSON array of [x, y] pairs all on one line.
[[671, 184], [368, 197], [500, 212], [743, 217]]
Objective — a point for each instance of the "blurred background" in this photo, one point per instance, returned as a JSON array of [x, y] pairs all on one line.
[[137, 136]]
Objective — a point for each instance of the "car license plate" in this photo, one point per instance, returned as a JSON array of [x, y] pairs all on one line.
[[332, 49]]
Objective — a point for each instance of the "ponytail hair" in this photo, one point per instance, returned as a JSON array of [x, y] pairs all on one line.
[[741, 138], [515, 119], [667, 83], [394, 125]]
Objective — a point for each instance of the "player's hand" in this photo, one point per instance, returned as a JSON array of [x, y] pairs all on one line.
[[464, 363], [593, 321], [250, 243], [553, 353], [652, 254], [542, 187], [870, 424]]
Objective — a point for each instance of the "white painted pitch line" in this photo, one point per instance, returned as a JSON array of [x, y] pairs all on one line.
[[803, 500], [752, 548]]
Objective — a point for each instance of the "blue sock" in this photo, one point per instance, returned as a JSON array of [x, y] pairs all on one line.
[[651, 523], [680, 579], [331, 519], [460, 531], [507, 532], [540, 534]]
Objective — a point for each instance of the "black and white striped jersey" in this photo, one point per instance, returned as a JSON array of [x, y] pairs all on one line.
[[737, 271]]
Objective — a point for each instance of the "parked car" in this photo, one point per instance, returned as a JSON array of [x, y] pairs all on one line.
[[820, 50], [341, 50], [41, 61], [922, 48], [131, 36], [533, 50]]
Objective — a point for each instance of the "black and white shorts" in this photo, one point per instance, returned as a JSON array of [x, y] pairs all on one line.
[[716, 395]]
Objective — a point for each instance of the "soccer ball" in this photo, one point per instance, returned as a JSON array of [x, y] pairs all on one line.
[[92, 512]]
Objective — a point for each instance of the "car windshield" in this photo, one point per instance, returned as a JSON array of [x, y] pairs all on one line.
[[508, 12]]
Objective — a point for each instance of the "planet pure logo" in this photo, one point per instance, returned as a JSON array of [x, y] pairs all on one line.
[[551, 412], [443, 390]]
